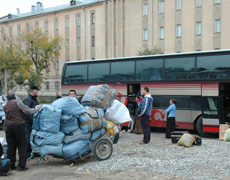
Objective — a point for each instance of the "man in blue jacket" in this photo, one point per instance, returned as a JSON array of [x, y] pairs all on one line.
[[146, 107]]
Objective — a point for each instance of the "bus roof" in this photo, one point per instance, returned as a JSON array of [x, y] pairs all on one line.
[[157, 55]]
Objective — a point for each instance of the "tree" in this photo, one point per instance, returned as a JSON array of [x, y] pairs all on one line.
[[28, 56], [147, 51]]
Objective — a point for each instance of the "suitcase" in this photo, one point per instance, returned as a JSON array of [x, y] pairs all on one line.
[[176, 135]]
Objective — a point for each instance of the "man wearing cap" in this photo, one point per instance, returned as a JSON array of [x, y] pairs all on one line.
[[31, 101]]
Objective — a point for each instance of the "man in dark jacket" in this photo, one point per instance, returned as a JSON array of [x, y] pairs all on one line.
[[16, 135], [31, 101], [146, 108]]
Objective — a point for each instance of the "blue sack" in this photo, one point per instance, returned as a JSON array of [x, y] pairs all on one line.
[[96, 134], [92, 119], [75, 136], [47, 119], [40, 138], [82, 152], [69, 106], [47, 149], [69, 123], [71, 149]]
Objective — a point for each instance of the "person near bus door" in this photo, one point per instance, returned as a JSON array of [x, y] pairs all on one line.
[[138, 128], [146, 108], [171, 121], [132, 108]]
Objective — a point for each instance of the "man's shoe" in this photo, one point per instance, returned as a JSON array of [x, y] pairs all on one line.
[[142, 142], [22, 169]]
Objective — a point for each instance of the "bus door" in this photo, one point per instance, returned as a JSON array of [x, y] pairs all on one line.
[[224, 101], [133, 90], [210, 106]]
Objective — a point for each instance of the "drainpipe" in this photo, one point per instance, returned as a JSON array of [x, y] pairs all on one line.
[[84, 29], [151, 25]]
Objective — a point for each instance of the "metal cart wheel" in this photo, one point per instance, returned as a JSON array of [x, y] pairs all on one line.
[[102, 149]]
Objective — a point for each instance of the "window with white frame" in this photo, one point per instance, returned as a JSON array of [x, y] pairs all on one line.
[[46, 26], [178, 4], [93, 18], [36, 25], [67, 43], [162, 32], [198, 3], [57, 65], [78, 43], [67, 22], [217, 1], [93, 41], [78, 20], [47, 85], [27, 28], [11, 32], [19, 30], [198, 28], [217, 25], [178, 30], [56, 24], [161, 7], [57, 85], [145, 9], [145, 34]]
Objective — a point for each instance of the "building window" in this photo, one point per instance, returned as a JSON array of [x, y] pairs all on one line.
[[162, 33], [145, 9], [47, 85], [217, 1], [161, 7], [19, 31], [67, 22], [57, 85], [217, 25], [198, 28], [178, 4], [56, 24], [27, 28], [145, 34], [78, 43], [46, 26], [36, 25], [67, 43], [78, 20], [93, 41], [198, 3], [93, 18], [11, 32], [57, 65], [2, 33], [178, 30]]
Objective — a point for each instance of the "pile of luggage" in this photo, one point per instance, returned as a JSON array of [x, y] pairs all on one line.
[[66, 128]]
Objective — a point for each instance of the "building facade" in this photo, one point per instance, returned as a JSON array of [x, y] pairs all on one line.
[[99, 29]]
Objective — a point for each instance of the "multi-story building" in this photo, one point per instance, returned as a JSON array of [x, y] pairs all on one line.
[[99, 29]]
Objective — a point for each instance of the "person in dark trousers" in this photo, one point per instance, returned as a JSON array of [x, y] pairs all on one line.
[[16, 134], [132, 108], [58, 96], [171, 121], [146, 107], [138, 128], [30, 101]]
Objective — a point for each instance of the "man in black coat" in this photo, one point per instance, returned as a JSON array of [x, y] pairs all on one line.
[[31, 101]]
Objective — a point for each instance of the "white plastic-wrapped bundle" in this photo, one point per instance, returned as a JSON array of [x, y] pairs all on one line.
[[118, 113], [100, 96]]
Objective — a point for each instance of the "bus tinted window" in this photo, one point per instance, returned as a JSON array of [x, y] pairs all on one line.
[[99, 72], [75, 73], [213, 67], [122, 71], [181, 68], [149, 70]]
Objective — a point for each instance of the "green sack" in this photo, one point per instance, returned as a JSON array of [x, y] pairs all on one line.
[[227, 135]]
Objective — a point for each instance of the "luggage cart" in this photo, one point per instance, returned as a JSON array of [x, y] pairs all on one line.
[[101, 148]]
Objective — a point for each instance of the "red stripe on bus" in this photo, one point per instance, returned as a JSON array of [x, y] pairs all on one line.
[[211, 128]]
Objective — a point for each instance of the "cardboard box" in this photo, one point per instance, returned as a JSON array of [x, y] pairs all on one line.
[[223, 128]]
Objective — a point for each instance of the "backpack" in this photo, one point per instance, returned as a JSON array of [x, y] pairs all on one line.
[[5, 167]]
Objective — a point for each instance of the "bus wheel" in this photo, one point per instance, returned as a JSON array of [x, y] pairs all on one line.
[[199, 128]]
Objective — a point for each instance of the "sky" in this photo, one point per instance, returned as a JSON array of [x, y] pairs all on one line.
[[10, 6]]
